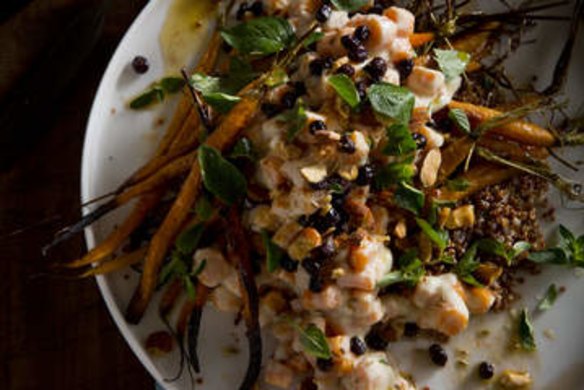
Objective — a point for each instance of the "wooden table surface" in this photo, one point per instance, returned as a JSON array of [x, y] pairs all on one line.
[[56, 333]]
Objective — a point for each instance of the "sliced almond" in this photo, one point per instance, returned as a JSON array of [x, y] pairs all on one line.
[[430, 168], [400, 230], [314, 173]]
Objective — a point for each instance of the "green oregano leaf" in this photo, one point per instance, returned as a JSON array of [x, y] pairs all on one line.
[[221, 178], [314, 341], [295, 118], [438, 237], [172, 84], [548, 299], [409, 198], [263, 36], [392, 102], [410, 272], [451, 62], [525, 332], [274, 253], [346, 89], [151, 96], [399, 140], [394, 173], [188, 240], [460, 120]]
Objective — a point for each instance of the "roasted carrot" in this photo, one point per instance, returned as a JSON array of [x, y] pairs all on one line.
[[185, 118], [453, 155], [116, 264], [419, 39], [183, 318], [182, 121], [162, 162], [475, 44], [184, 112], [171, 171], [513, 150], [517, 130], [119, 235], [478, 177], [225, 134], [169, 297]]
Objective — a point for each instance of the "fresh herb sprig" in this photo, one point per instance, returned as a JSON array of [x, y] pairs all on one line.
[[494, 247], [467, 265], [569, 252], [391, 102], [260, 36], [346, 89], [296, 119], [180, 264], [313, 341], [274, 253], [410, 272], [221, 177], [451, 62], [525, 332], [157, 92], [548, 299]]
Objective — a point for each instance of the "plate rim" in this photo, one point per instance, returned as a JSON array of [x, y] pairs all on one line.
[[91, 130]]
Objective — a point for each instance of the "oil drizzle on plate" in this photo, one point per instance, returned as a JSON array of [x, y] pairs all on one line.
[[184, 31]]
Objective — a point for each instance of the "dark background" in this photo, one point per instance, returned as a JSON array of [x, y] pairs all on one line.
[[54, 333]]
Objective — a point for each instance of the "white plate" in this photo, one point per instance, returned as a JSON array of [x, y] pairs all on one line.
[[119, 140]]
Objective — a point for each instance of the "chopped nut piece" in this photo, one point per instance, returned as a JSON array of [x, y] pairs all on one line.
[[337, 273], [286, 234], [278, 375], [461, 217], [425, 248], [549, 333], [515, 380], [400, 230], [261, 218], [307, 240], [225, 300], [488, 273], [314, 173], [328, 134], [159, 343], [433, 138], [349, 173], [443, 215], [430, 168]]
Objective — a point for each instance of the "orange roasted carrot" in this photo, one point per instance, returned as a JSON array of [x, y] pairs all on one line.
[[116, 264], [225, 134], [453, 155], [478, 177], [518, 130], [119, 235], [419, 39], [169, 297], [513, 150]]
